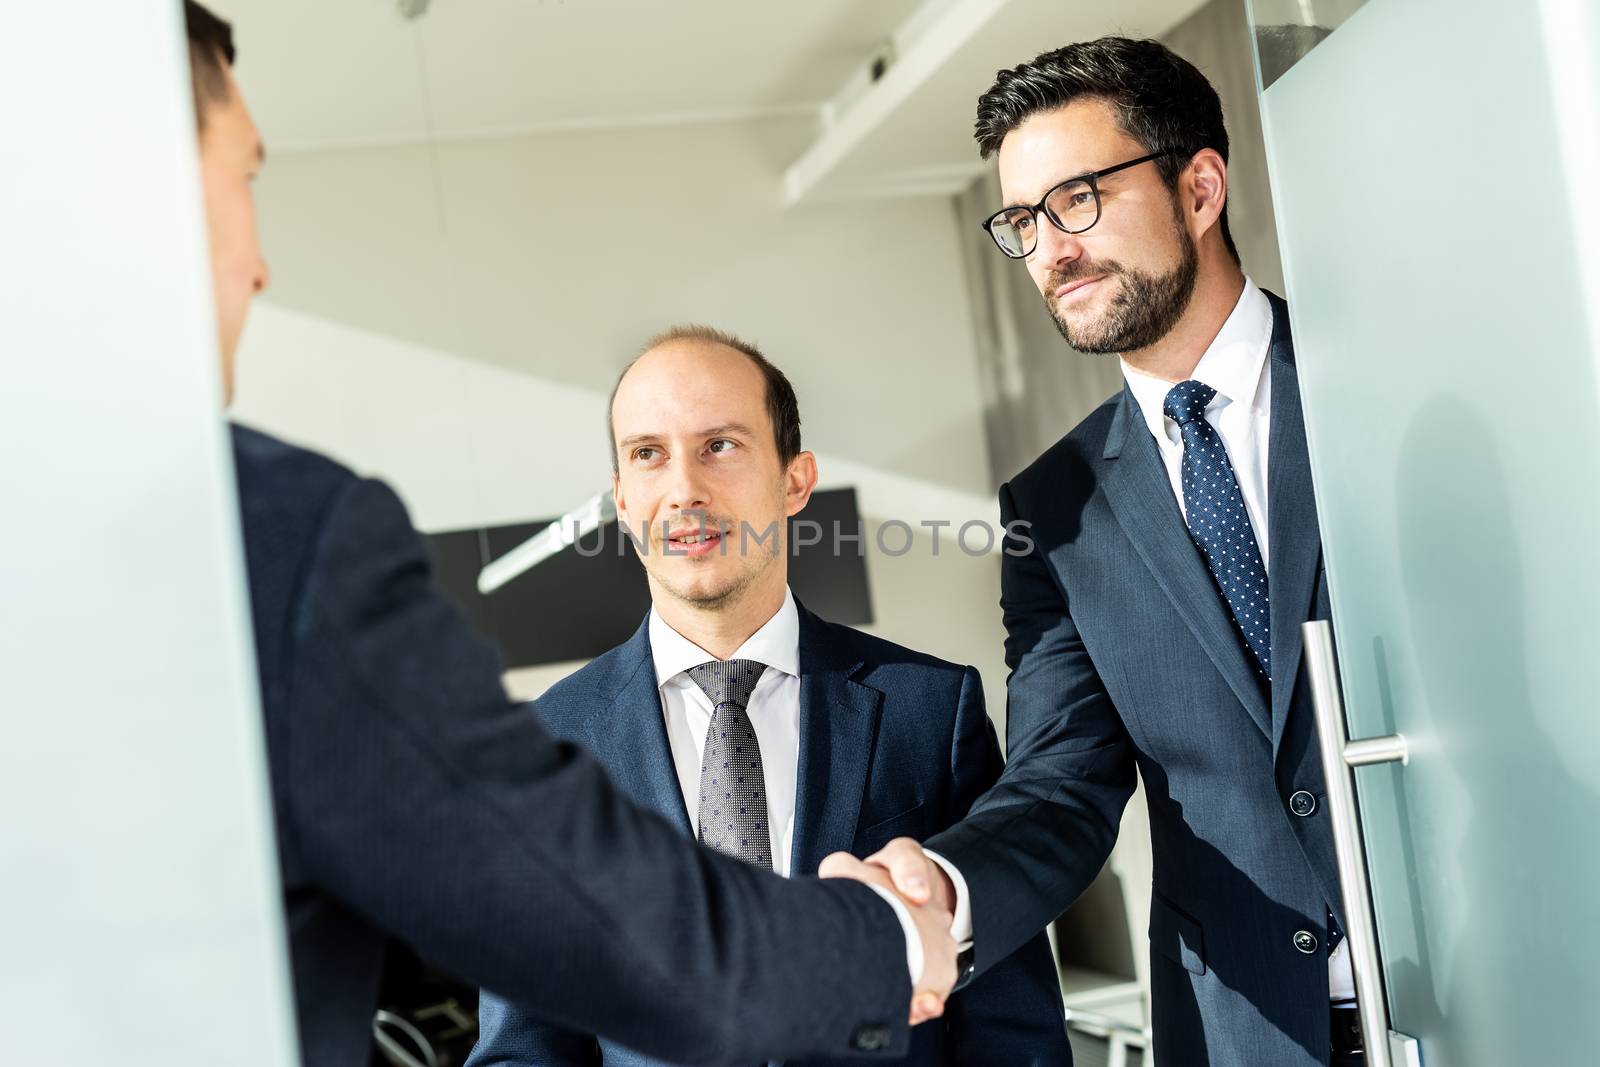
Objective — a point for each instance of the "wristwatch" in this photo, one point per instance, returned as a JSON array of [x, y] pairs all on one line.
[[966, 967]]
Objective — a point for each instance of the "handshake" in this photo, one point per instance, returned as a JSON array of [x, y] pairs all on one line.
[[901, 867]]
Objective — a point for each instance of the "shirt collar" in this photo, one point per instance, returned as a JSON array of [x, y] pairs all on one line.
[[1231, 365], [776, 644]]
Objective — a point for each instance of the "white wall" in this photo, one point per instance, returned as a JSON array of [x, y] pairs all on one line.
[[556, 255]]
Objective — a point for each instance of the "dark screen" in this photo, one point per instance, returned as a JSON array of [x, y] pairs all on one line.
[[578, 604]]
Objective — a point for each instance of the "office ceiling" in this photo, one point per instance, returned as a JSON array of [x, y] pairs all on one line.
[[323, 74]]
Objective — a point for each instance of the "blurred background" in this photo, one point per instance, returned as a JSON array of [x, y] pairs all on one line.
[[476, 211]]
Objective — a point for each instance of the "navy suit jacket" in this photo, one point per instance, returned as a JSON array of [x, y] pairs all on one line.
[[893, 743], [1123, 656], [414, 801]]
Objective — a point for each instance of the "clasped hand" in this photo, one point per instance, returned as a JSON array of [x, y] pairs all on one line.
[[903, 868]]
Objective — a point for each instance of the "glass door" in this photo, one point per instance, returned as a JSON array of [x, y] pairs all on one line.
[[1435, 166]]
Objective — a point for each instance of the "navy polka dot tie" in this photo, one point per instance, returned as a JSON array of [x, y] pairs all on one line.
[[733, 797], [1218, 522]]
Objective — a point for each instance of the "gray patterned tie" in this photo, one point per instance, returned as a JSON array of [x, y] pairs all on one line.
[[733, 796]]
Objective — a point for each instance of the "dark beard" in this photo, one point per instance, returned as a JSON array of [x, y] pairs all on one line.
[[1143, 311]]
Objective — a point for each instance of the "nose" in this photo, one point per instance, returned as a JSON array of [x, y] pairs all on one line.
[[687, 491], [263, 277], [1056, 248]]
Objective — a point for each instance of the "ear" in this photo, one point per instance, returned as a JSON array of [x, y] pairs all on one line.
[[616, 495], [799, 481], [623, 522], [1204, 191]]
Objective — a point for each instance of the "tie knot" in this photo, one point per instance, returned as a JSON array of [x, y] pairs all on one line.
[[1187, 401], [728, 681]]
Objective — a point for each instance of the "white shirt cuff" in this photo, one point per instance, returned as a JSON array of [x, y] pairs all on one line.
[[1341, 978], [961, 925], [908, 925]]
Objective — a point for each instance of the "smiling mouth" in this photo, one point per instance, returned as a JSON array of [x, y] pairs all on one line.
[[696, 542], [1073, 287]]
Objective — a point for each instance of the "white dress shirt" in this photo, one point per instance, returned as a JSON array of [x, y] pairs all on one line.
[[1236, 366], [774, 711]]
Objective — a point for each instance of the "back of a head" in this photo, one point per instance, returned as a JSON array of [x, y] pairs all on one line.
[[1162, 100], [211, 53]]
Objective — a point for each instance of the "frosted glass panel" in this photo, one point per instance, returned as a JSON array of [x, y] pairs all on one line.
[[1433, 163], [139, 904]]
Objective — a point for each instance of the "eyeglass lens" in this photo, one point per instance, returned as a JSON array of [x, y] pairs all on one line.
[[1072, 206]]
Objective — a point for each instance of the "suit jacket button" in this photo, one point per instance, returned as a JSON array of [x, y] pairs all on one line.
[[1305, 941], [1302, 803], [870, 1037]]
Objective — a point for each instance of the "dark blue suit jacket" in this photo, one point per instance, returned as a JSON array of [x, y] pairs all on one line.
[[892, 743], [413, 800], [1123, 656]]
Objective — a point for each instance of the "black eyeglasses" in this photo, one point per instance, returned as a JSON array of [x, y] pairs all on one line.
[[1072, 207]]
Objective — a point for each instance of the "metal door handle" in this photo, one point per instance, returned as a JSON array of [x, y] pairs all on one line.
[[1340, 756]]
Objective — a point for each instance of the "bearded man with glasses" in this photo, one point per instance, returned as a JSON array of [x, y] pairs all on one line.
[[1153, 618]]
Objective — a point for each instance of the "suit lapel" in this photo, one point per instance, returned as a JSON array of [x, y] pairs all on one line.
[[838, 724], [1294, 537], [633, 733], [1140, 495]]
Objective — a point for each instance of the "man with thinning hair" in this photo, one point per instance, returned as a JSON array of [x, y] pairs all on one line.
[[749, 722]]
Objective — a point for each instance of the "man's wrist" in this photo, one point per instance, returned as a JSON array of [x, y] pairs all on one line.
[[914, 956], [961, 906]]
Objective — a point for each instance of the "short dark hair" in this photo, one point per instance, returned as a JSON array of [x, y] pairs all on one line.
[[210, 51], [1161, 100], [782, 406]]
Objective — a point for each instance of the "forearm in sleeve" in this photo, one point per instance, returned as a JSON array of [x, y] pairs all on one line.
[[426, 801]]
